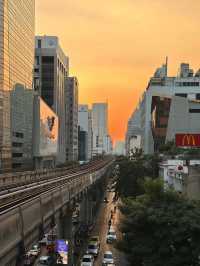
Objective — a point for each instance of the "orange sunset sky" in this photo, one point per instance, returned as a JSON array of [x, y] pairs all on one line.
[[115, 45]]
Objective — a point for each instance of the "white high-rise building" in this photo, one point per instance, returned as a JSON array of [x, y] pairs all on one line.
[[85, 124], [186, 84], [100, 128], [119, 148]]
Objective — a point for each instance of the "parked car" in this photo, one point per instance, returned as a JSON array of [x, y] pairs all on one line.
[[45, 260], [95, 239], [93, 248], [35, 251], [87, 260], [111, 236], [29, 259], [108, 258]]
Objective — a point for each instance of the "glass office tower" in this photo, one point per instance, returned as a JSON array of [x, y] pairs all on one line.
[[17, 21]]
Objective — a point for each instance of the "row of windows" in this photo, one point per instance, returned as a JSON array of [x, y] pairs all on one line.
[[187, 84], [17, 144], [185, 95], [17, 155], [18, 135], [194, 111]]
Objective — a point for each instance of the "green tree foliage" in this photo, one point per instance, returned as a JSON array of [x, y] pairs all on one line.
[[161, 228], [133, 172]]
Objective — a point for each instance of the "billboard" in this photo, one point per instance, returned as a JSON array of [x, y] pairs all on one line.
[[62, 248], [46, 130], [187, 140]]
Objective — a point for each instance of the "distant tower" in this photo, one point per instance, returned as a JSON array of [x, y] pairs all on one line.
[[166, 66]]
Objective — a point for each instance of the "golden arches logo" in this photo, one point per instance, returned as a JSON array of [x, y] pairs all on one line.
[[188, 140]]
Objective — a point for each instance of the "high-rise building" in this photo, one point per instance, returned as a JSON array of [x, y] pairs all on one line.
[[17, 24], [154, 108], [50, 73], [85, 124], [119, 148], [100, 127], [71, 94]]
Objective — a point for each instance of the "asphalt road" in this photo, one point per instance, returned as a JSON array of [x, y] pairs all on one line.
[[101, 230]]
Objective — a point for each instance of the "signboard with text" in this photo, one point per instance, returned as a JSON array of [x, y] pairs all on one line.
[[188, 140]]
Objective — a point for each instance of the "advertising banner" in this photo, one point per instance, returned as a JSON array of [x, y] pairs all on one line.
[[62, 248], [48, 131], [188, 140]]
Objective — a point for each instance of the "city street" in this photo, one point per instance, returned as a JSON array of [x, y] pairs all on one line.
[[102, 228]]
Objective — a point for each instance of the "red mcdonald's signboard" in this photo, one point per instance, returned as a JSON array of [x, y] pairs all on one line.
[[188, 140]]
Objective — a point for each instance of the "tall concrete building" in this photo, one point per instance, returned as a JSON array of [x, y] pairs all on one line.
[[50, 73], [17, 23], [100, 128], [119, 148], [85, 124], [154, 107], [71, 94]]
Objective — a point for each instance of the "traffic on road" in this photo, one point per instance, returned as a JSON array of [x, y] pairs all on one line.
[[96, 250]]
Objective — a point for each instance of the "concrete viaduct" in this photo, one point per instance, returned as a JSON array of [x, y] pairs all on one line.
[[26, 223]]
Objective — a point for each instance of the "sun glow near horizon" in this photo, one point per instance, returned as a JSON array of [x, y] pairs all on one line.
[[115, 47]]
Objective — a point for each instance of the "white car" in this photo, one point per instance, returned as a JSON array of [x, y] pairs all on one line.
[[108, 258], [111, 236], [45, 260], [35, 251], [87, 260], [93, 248]]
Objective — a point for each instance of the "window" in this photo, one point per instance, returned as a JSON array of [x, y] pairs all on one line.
[[18, 135], [39, 44], [37, 60], [16, 165], [17, 144], [17, 155], [181, 95], [194, 111], [198, 96]]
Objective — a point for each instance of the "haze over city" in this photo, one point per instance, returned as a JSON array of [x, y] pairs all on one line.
[[115, 46]]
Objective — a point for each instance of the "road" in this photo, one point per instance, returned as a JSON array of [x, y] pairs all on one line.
[[101, 230]]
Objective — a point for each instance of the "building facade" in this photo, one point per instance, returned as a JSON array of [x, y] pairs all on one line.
[[50, 73], [16, 67], [71, 123], [134, 132], [186, 85], [99, 128], [85, 124], [119, 148], [45, 135]]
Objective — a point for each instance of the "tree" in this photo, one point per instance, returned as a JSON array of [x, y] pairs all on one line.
[[132, 173], [161, 228]]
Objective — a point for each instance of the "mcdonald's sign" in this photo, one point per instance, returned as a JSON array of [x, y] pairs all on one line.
[[188, 140]]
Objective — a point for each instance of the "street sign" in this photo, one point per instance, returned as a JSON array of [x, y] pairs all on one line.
[[188, 140]]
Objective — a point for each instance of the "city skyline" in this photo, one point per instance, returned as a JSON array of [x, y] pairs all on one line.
[[121, 44]]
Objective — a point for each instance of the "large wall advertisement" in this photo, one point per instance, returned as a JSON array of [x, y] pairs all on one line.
[[48, 131]]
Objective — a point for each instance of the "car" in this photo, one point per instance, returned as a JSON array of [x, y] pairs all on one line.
[[35, 251], [95, 239], [93, 248], [111, 236], [45, 260], [108, 258], [87, 260], [29, 259]]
